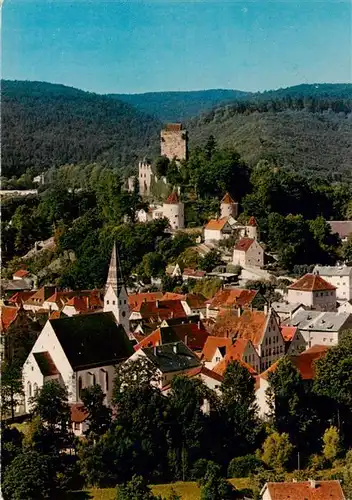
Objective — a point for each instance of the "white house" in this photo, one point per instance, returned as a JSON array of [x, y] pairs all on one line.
[[345, 307], [217, 230], [248, 252], [313, 291], [321, 328], [228, 207], [172, 209], [77, 351], [338, 276], [285, 310], [303, 490]]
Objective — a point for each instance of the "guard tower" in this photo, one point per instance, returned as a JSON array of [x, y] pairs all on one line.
[[174, 142]]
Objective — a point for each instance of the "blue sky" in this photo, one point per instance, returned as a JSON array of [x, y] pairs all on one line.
[[133, 46]]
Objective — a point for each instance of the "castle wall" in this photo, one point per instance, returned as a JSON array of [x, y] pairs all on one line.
[[174, 144]]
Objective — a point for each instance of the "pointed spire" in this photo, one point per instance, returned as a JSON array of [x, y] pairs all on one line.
[[115, 278]]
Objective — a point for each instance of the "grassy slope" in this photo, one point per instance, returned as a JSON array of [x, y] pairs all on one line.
[[315, 143]]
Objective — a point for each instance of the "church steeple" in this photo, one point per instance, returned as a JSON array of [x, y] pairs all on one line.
[[116, 298]]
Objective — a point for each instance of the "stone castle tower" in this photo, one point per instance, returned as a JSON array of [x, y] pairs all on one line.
[[252, 229], [174, 210], [228, 207], [116, 298], [174, 142]]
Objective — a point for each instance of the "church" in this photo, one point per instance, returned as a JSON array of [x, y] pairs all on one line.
[[83, 350]]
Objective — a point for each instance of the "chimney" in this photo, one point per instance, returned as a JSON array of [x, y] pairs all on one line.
[[186, 339], [174, 348], [157, 304], [265, 309], [199, 325], [239, 311], [155, 352], [313, 483]]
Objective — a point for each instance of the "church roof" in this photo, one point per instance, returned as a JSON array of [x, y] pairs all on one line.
[[115, 279], [93, 339], [172, 199], [227, 199], [252, 222]]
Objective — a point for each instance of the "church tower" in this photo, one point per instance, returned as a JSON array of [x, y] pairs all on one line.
[[116, 298], [228, 207], [252, 229]]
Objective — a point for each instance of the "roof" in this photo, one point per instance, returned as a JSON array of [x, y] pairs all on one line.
[[303, 490], [252, 222], [21, 273], [57, 315], [198, 371], [160, 309], [45, 363], [172, 357], [115, 279], [288, 332], [195, 300], [244, 244], [227, 200], [220, 368], [193, 272], [92, 339], [172, 199], [173, 296], [216, 224], [40, 296], [342, 227], [137, 298], [173, 127], [319, 321], [18, 284], [229, 297], [78, 413], [20, 297], [304, 362], [311, 283], [250, 325], [333, 270], [7, 316], [285, 307], [194, 335], [211, 344]]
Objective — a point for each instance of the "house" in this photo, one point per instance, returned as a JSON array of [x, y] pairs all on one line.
[[303, 490], [211, 379], [228, 207], [294, 339], [342, 227], [169, 360], [19, 297], [322, 328], [217, 229], [194, 303], [304, 362], [214, 350], [36, 301], [83, 303], [261, 328], [228, 299], [285, 310], [173, 270], [338, 276], [193, 274], [313, 291], [77, 351], [194, 335], [79, 418], [248, 252], [8, 315], [20, 274], [156, 311], [345, 307], [243, 351]]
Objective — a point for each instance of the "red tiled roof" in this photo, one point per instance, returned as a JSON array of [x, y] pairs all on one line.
[[230, 297], [21, 273], [57, 315], [78, 413], [303, 490], [193, 272], [311, 283], [288, 332], [194, 335], [137, 298], [173, 127], [199, 370], [195, 300], [244, 244], [172, 199], [250, 325], [8, 315], [252, 222], [220, 368], [227, 199], [211, 344], [216, 224], [173, 296], [40, 296], [20, 297], [162, 309]]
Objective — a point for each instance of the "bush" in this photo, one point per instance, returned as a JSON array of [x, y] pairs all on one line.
[[199, 468], [244, 466]]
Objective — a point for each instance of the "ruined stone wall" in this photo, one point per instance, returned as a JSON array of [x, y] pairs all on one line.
[[174, 144]]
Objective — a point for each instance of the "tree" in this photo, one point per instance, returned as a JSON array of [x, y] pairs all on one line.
[[152, 265], [215, 487], [347, 475], [211, 260], [277, 451], [11, 445], [99, 415], [331, 440], [11, 389], [161, 166], [136, 489], [30, 476]]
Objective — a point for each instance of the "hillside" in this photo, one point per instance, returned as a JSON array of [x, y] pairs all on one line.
[[319, 144], [46, 125], [180, 106]]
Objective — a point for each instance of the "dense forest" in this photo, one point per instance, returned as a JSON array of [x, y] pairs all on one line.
[[306, 128], [45, 125]]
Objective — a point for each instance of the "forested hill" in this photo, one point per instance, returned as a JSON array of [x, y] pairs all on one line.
[[46, 125], [180, 106]]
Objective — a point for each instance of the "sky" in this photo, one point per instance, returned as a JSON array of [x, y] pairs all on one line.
[[131, 46]]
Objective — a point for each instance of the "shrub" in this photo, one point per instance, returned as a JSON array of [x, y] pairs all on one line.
[[244, 466]]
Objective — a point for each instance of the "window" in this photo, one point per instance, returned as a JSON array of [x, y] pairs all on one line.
[[93, 379], [125, 302], [29, 389], [217, 359], [35, 388], [107, 302], [76, 426], [123, 314], [106, 381], [80, 386], [113, 302]]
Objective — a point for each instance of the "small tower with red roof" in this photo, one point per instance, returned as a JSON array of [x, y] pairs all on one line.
[[173, 209], [252, 228], [228, 207]]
